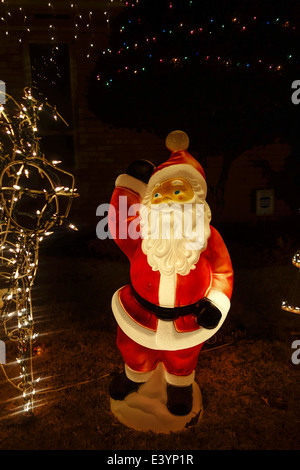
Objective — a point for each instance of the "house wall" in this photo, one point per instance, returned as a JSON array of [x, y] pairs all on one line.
[[102, 152], [247, 175]]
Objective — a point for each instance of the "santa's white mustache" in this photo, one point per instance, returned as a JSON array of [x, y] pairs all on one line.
[[174, 222]]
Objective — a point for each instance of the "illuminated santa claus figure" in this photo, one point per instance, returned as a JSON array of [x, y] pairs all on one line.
[[180, 270]]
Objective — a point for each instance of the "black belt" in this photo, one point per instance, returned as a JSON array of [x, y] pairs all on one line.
[[165, 313]]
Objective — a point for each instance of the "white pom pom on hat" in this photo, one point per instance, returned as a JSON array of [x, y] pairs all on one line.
[[177, 140], [180, 164]]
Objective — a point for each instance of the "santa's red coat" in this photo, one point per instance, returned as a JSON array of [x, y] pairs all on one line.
[[213, 272]]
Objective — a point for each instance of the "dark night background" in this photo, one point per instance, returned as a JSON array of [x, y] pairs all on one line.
[[223, 73]]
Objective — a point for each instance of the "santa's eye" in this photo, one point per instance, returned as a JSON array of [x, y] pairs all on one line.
[[177, 191]]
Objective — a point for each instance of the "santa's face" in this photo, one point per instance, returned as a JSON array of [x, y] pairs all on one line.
[[167, 240], [174, 190]]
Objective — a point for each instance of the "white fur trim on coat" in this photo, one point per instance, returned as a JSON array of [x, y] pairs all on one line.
[[129, 182], [180, 170], [166, 337], [137, 376], [180, 380], [220, 300]]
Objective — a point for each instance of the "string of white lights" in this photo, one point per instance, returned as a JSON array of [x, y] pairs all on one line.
[[81, 19], [34, 198]]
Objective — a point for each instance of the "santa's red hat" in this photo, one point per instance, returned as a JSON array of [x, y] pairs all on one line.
[[180, 164]]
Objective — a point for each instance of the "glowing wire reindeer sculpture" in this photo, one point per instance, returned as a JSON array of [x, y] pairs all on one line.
[[35, 196]]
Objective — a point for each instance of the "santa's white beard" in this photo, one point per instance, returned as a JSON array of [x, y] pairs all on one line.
[[175, 239]]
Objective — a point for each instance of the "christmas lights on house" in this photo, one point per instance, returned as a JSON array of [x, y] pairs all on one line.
[[202, 27], [184, 35], [81, 21], [35, 196]]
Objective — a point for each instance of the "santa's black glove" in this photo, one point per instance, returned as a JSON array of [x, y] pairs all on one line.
[[141, 170], [207, 314]]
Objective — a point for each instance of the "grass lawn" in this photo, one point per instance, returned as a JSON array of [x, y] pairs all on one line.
[[249, 384]]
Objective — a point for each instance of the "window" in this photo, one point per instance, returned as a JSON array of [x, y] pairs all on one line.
[[51, 82]]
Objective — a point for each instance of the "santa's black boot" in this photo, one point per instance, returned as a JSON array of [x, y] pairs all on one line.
[[180, 399], [121, 386]]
